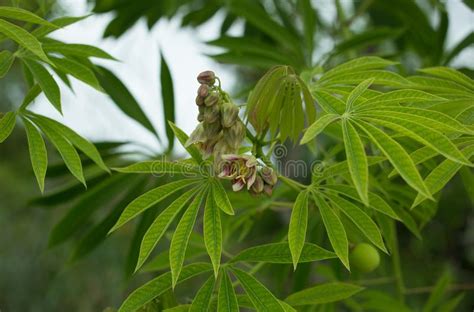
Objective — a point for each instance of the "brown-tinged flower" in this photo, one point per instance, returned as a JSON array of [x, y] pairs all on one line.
[[199, 101], [268, 189], [203, 90], [269, 175], [229, 114], [207, 77], [258, 185], [241, 169]]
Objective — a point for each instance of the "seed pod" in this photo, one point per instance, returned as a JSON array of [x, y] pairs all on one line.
[[203, 90], [269, 175], [235, 134], [258, 185], [199, 101], [211, 114], [229, 114], [197, 136], [211, 130], [212, 99], [207, 77]]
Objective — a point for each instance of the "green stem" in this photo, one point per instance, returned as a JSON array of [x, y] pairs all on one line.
[[397, 269], [292, 183]]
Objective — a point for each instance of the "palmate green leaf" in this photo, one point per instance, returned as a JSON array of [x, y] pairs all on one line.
[[7, 124], [439, 86], [363, 222], [359, 64], [335, 230], [59, 22], [150, 199], [47, 83], [202, 301], [423, 134], [122, 97], [375, 201], [450, 74], [80, 212], [159, 167], [356, 160], [325, 293], [76, 49], [79, 142], [180, 239], [318, 126], [342, 168], [23, 15], [262, 299], [227, 300], [357, 92], [33, 92], [167, 95], [23, 38], [6, 61], [66, 150], [159, 285], [280, 253], [183, 138], [38, 153], [427, 117], [328, 102], [162, 260], [442, 174], [297, 227], [394, 98], [159, 227], [221, 198], [213, 231], [397, 156], [77, 70], [381, 77]]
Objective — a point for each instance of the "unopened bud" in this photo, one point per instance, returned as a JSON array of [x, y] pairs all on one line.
[[229, 114], [197, 136], [211, 114], [211, 130], [269, 175], [212, 99], [199, 101], [203, 90], [208, 147], [235, 134], [258, 185], [223, 148], [268, 189], [207, 77]]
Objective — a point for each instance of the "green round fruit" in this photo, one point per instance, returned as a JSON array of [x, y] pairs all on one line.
[[364, 258]]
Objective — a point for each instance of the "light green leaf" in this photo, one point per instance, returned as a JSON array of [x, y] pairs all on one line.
[[356, 160], [203, 297], [167, 95], [318, 126], [158, 167], [75, 49], [77, 70], [66, 150], [357, 92], [149, 199], [381, 77], [421, 133], [79, 142], [47, 83], [7, 124], [363, 222], [325, 293], [38, 153], [23, 15], [23, 38], [280, 253], [60, 22], [397, 156], [375, 201], [261, 297], [182, 138], [179, 242], [394, 98], [342, 168], [6, 61], [213, 231], [158, 228], [450, 74], [221, 198], [159, 285], [298, 225], [335, 230], [328, 102], [227, 300], [359, 64]]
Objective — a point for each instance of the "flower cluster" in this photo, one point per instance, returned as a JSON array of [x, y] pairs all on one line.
[[244, 171], [220, 130]]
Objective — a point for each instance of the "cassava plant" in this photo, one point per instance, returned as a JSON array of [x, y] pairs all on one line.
[[288, 198]]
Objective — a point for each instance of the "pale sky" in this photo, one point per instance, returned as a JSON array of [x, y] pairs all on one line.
[[94, 116]]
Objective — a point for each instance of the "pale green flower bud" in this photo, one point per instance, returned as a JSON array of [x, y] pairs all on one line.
[[269, 175], [207, 77], [257, 186], [235, 134], [211, 130], [229, 114], [212, 99], [199, 101], [197, 136], [211, 114]]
